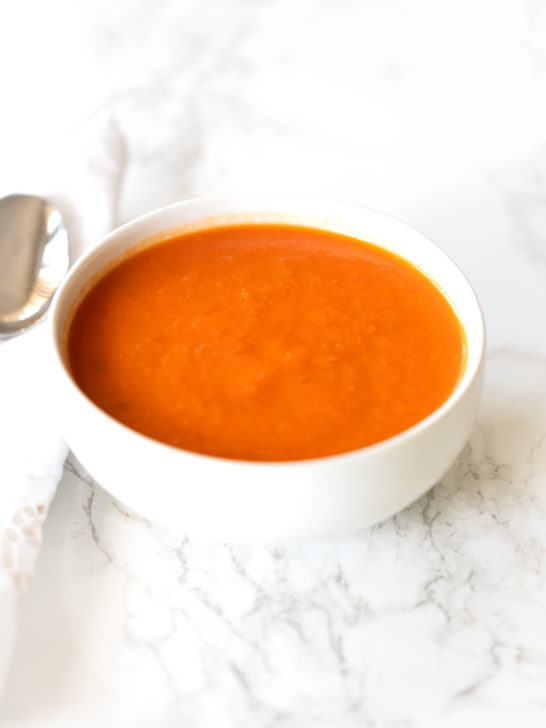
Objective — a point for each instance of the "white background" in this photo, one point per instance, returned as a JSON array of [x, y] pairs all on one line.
[[434, 112]]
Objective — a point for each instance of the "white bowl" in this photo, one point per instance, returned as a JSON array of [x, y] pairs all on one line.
[[221, 499]]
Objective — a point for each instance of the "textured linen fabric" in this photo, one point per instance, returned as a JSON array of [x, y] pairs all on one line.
[[32, 450]]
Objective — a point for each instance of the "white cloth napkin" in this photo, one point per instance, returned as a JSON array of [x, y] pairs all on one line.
[[84, 185]]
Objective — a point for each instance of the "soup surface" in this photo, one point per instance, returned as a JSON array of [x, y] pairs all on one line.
[[266, 342]]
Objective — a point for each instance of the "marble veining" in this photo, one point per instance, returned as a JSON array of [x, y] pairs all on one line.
[[435, 618], [410, 605]]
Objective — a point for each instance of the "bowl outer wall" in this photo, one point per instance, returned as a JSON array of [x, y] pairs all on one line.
[[225, 500], [219, 499]]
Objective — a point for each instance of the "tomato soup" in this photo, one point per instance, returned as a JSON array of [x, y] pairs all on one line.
[[266, 342]]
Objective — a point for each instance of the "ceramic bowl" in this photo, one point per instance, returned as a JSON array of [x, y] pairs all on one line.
[[220, 499]]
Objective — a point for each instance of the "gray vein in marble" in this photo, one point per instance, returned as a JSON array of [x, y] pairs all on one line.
[[451, 601], [152, 646]]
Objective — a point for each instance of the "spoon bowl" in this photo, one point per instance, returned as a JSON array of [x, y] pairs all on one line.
[[33, 260]]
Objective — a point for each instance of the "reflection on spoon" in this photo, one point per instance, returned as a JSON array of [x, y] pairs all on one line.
[[33, 260]]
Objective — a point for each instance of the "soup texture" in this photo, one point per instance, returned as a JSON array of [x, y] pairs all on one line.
[[266, 342]]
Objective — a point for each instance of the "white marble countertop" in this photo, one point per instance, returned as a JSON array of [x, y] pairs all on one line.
[[434, 113]]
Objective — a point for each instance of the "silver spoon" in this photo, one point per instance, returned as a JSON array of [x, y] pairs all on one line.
[[33, 260]]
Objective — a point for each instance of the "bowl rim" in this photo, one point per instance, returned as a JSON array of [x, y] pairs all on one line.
[[469, 374]]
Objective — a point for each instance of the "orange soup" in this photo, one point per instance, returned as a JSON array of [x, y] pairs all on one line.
[[266, 342]]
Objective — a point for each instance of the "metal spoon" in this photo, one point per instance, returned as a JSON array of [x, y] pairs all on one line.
[[33, 260]]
